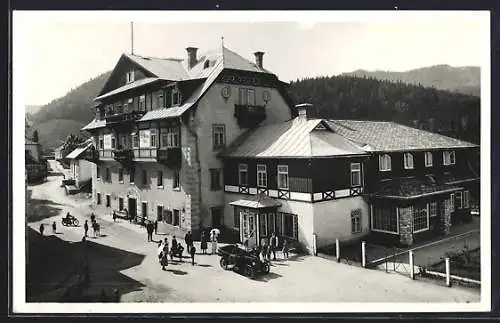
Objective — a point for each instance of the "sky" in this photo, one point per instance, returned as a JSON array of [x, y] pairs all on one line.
[[58, 51]]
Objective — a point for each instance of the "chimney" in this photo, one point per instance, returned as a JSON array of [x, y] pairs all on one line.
[[192, 60], [258, 59], [304, 110]]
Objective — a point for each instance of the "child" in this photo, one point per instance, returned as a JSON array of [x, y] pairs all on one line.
[[192, 251], [285, 249], [54, 227], [42, 228]]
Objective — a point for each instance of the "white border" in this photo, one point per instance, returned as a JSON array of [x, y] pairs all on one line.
[[19, 276]]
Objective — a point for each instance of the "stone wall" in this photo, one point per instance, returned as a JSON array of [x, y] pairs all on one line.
[[406, 225], [446, 207]]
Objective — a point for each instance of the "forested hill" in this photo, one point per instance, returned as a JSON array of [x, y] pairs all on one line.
[[347, 97], [464, 79], [68, 114]]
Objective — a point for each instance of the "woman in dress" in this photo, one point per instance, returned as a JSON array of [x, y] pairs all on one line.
[[203, 242]]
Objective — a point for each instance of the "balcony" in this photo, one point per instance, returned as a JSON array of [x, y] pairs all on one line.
[[171, 156], [120, 118], [249, 116], [91, 155], [106, 154], [123, 156]]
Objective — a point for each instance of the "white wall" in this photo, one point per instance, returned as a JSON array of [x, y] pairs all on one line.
[[332, 219], [214, 109], [84, 172]]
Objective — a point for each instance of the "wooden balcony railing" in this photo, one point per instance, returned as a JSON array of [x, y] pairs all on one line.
[[249, 115], [105, 154], [124, 117], [125, 155]]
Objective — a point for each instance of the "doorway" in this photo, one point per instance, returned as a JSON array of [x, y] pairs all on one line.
[[217, 217], [132, 208], [248, 228], [144, 210]]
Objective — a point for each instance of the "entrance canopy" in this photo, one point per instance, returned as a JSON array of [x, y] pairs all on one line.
[[259, 201]]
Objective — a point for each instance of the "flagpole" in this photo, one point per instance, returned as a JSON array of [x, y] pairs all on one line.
[[132, 38]]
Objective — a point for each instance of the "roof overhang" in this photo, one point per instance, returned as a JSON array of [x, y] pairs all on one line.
[[257, 202], [413, 197]]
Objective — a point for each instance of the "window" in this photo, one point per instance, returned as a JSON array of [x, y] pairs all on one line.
[[108, 174], [176, 180], [130, 76], [452, 202], [356, 221], [153, 139], [135, 139], [243, 174], [215, 179], [428, 159], [355, 174], [142, 103], [219, 136], [246, 96], [432, 209], [466, 199], [176, 220], [170, 137], [159, 213], [261, 176], [236, 218], [385, 219], [263, 225], [408, 161], [448, 158], [98, 172], [144, 177], [132, 174], [159, 179], [161, 103], [98, 198], [120, 175], [458, 200], [290, 225], [101, 143], [108, 200], [113, 143], [120, 204], [384, 162], [176, 97], [283, 177], [420, 218]]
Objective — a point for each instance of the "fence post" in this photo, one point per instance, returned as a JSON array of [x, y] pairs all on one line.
[[363, 254], [447, 266], [337, 249], [412, 272], [315, 251]]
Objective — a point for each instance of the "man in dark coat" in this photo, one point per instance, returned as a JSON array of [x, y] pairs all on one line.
[[192, 251], [42, 228], [188, 238], [86, 227], [156, 226], [149, 228]]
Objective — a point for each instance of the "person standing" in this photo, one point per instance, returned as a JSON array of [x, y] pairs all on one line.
[[203, 243], [214, 242], [164, 255], [285, 248], [188, 238], [86, 228], [114, 216], [192, 251], [42, 228], [274, 245], [54, 227], [149, 229], [156, 226], [92, 217]]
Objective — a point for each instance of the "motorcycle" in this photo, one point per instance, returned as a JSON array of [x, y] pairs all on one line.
[[70, 221]]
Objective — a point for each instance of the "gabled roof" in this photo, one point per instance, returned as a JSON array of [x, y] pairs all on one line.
[[129, 86], [294, 138], [79, 150], [95, 124], [390, 136], [165, 68]]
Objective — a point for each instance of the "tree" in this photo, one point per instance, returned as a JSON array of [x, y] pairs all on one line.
[[35, 136]]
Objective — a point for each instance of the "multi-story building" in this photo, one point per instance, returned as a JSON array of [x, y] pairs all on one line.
[[160, 124], [214, 141], [80, 165]]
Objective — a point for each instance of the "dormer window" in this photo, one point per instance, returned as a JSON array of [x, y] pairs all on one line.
[[176, 97], [408, 161], [130, 76], [448, 158], [384, 162]]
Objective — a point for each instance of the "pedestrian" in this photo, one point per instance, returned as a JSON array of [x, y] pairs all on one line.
[[114, 216], [192, 251], [149, 228], [174, 243], [188, 238], [265, 247], [180, 250], [86, 228], [285, 248], [164, 255], [268, 252], [274, 244], [214, 242], [156, 226], [54, 227], [42, 228], [203, 243], [92, 217]]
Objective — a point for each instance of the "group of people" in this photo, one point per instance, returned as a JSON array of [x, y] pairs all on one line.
[[271, 246], [95, 226]]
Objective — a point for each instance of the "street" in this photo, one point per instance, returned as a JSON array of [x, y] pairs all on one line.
[[300, 279]]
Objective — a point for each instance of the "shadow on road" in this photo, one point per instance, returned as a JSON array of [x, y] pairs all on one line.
[[204, 265], [267, 277], [38, 210], [52, 267], [177, 272]]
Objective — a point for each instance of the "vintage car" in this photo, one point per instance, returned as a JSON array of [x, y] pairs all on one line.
[[237, 258]]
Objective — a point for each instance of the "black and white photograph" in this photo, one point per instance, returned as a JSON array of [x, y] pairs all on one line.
[[245, 161]]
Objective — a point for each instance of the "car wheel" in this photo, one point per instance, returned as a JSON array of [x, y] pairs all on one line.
[[250, 272], [266, 268], [223, 263]]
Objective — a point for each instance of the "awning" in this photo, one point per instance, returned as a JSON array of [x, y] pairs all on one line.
[[257, 202], [412, 188]]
